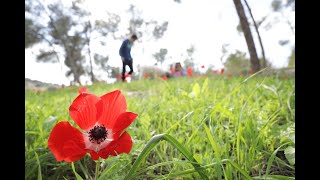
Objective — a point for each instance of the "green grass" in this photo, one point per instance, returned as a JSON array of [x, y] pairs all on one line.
[[234, 129]]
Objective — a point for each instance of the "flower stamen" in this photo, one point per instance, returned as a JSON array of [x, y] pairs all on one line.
[[98, 134]]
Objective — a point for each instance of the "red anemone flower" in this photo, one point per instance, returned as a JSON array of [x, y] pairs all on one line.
[[146, 75], [102, 120], [164, 77], [222, 71]]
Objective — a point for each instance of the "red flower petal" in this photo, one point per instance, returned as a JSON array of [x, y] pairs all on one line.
[[110, 107], [83, 110], [93, 154], [121, 145], [72, 151], [123, 121], [66, 142], [83, 90]]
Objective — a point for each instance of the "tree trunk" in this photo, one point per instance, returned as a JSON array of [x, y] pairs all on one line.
[[93, 79], [255, 65], [257, 30]]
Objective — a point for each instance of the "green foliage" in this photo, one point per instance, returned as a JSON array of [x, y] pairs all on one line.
[[234, 128], [31, 36], [276, 5], [161, 55], [46, 56], [159, 30], [188, 62], [237, 63]]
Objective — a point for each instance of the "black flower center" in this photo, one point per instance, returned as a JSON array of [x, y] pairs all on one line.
[[98, 134]]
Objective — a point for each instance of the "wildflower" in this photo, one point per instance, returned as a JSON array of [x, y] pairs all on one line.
[[146, 75], [222, 71], [164, 77], [102, 121]]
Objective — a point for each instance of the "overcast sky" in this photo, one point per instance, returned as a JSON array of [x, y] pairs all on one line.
[[206, 24]]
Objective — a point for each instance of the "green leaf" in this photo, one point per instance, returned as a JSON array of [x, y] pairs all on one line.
[[74, 171], [195, 91], [205, 86], [289, 152]]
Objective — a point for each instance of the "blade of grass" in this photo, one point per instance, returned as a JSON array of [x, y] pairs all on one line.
[[239, 169], [189, 171], [178, 122], [273, 155], [216, 149], [39, 167], [152, 143], [74, 171]]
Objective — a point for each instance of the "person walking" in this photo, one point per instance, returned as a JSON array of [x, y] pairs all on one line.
[[125, 53]]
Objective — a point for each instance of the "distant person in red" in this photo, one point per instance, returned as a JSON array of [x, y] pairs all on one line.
[[125, 54], [189, 71], [172, 71]]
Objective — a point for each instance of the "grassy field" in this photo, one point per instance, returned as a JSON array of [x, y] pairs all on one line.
[[234, 128]]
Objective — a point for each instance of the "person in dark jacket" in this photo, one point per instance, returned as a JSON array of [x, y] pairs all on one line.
[[126, 58]]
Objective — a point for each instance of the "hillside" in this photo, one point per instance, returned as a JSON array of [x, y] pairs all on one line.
[[39, 86]]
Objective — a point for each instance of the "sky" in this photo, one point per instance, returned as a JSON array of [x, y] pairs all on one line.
[[206, 24]]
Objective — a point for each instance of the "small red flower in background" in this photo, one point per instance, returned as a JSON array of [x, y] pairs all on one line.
[[222, 71], [146, 75], [215, 71], [164, 77], [102, 120], [202, 66], [229, 75]]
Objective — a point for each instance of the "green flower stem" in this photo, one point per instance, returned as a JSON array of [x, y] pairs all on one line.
[[97, 169]]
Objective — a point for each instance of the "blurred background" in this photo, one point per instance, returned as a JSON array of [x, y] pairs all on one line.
[[77, 42]]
